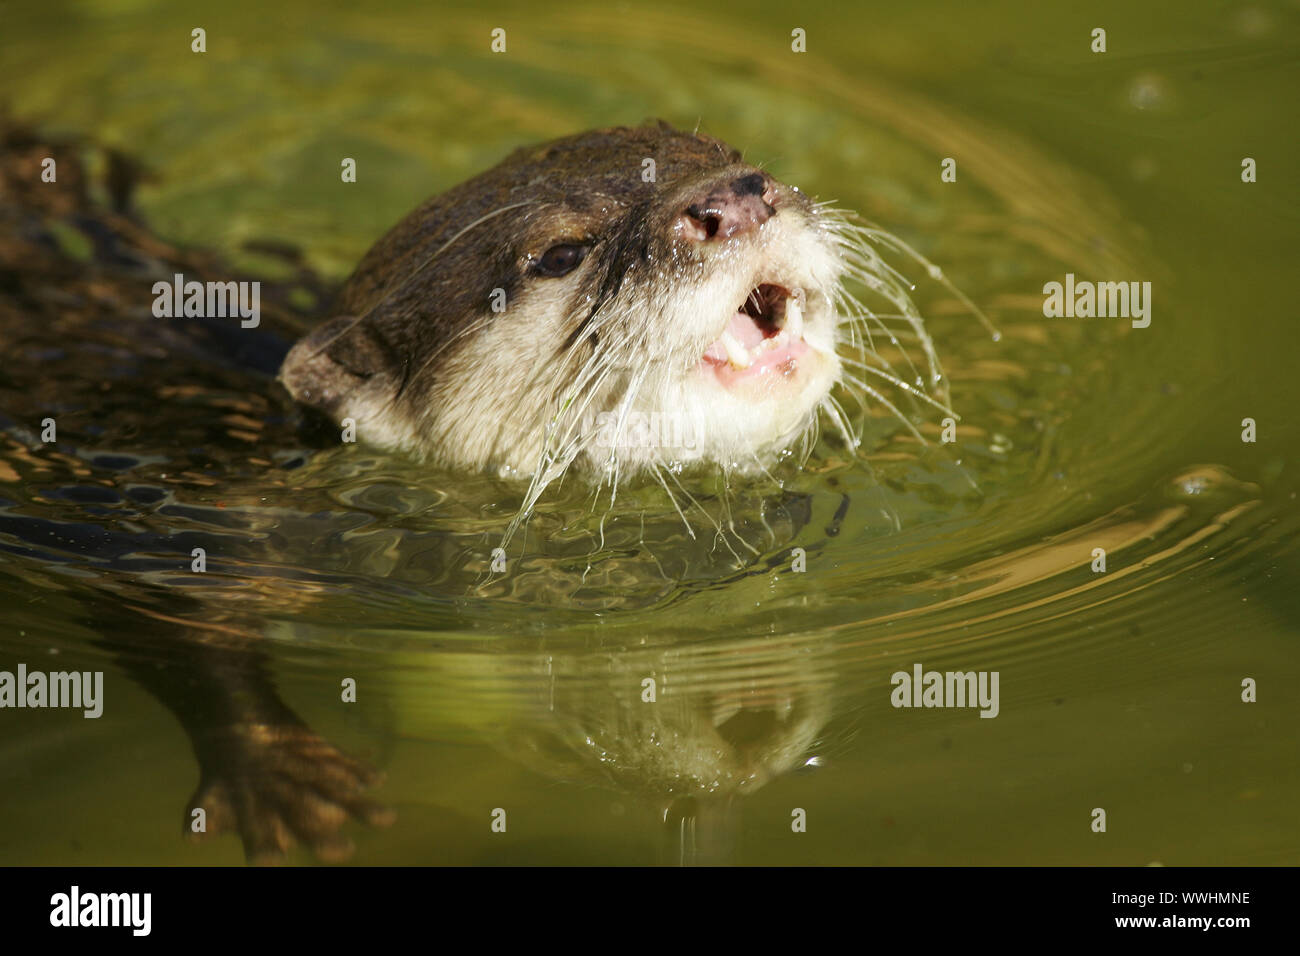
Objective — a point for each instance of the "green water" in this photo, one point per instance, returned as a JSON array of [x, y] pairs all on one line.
[[1119, 690]]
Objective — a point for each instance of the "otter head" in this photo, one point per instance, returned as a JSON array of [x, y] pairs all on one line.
[[618, 300]]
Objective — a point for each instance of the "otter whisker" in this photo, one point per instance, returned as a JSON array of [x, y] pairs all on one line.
[[850, 221], [936, 273], [833, 411], [731, 520], [717, 527], [927, 346], [904, 386], [655, 469], [890, 405], [871, 272], [884, 362], [624, 408], [852, 386]]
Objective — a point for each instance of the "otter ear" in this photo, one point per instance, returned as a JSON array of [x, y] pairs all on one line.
[[325, 368]]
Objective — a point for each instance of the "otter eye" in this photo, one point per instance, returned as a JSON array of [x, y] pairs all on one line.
[[560, 260]]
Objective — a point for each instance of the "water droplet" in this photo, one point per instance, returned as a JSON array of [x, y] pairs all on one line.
[[1150, 91]]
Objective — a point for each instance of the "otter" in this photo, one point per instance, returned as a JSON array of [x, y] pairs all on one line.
[[698, 285], [520, 322]]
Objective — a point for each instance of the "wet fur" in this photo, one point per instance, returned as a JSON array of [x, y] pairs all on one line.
[[421, 363]]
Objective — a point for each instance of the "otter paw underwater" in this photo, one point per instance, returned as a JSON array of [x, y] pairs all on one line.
[[622, 301]]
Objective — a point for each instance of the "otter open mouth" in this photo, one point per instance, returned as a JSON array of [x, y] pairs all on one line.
[[765, 334]]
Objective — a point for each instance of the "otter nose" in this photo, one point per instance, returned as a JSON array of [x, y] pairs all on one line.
[[731, 208]]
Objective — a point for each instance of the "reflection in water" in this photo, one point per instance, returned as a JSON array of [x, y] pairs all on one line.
[[684, 730]]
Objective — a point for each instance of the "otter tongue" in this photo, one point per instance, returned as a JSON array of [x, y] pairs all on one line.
[[744, 331]]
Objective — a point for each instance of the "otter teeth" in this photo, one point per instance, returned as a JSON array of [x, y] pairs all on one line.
[[737, 354], [794, 315], [741, 357]]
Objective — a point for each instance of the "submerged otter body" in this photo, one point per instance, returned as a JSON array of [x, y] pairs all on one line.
[[539, 314]]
